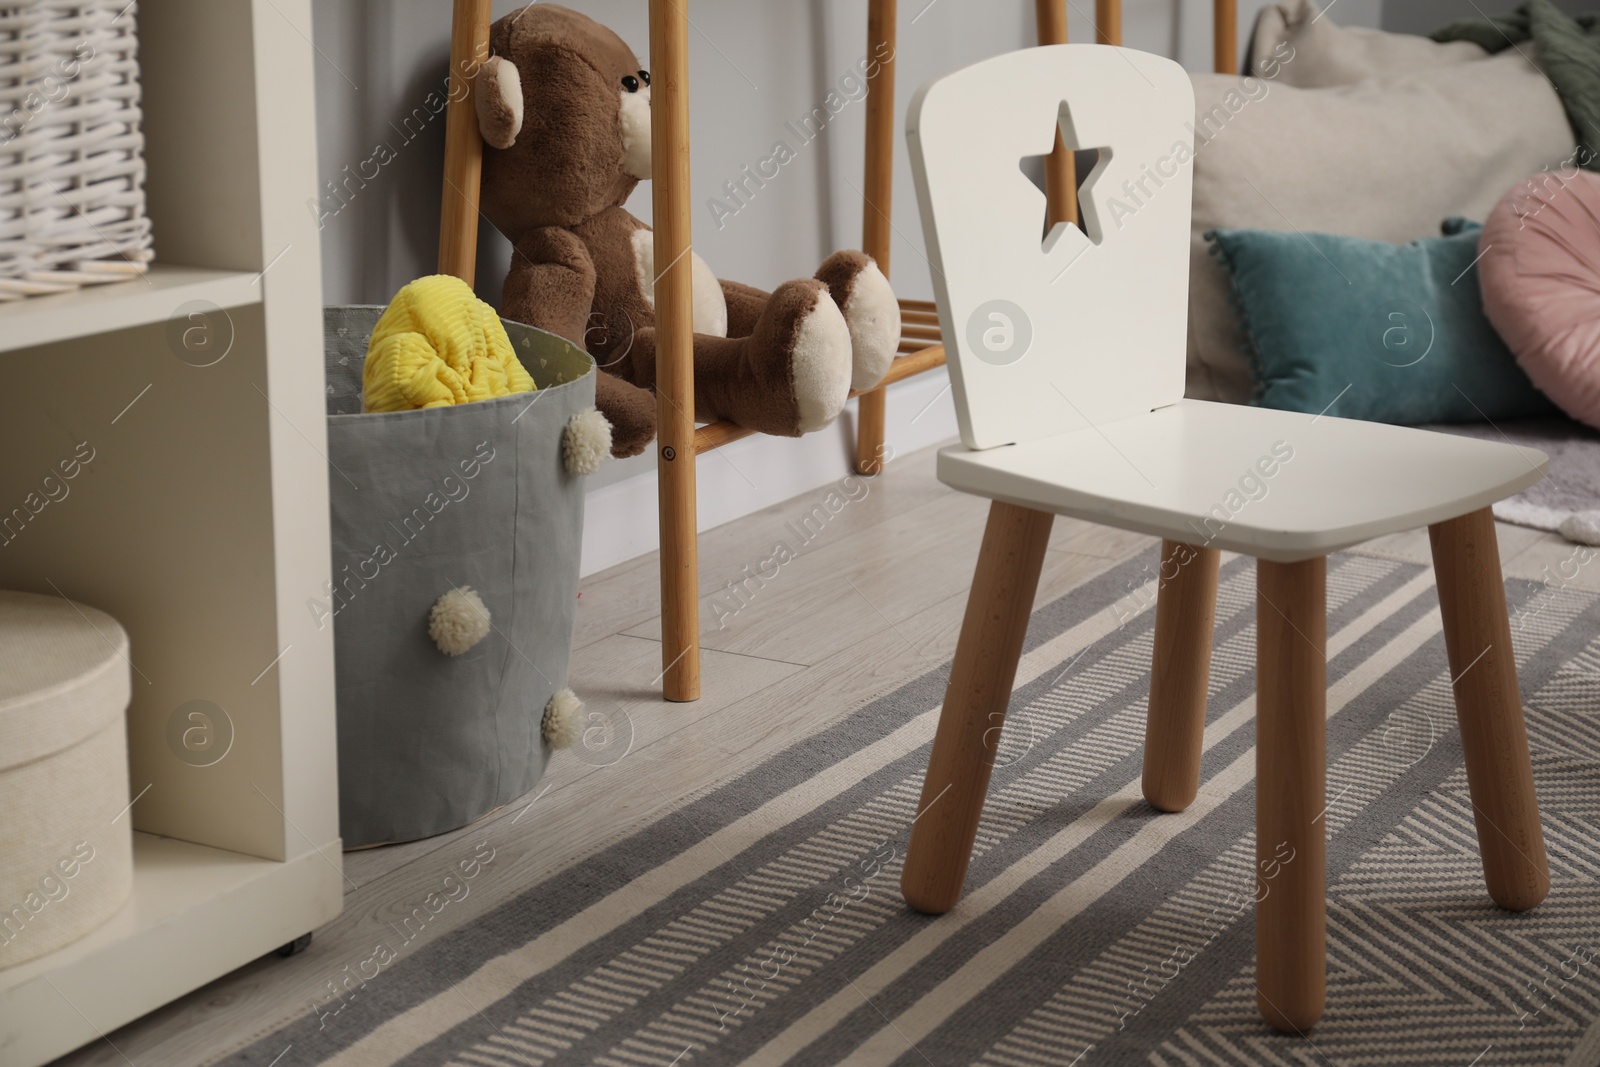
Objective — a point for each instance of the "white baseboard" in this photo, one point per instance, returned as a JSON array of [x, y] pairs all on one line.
[[620, 518]]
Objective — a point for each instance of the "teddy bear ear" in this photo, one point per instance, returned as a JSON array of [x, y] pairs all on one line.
[[499, 102]]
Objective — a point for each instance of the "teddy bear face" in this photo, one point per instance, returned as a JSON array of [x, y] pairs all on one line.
[[564, 106]]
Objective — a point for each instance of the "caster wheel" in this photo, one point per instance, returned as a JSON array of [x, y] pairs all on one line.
[[295, 947]]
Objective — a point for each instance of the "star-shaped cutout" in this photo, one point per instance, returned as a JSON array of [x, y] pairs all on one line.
[[1088, 165]]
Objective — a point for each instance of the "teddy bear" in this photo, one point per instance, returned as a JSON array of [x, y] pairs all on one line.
[[563, 105]]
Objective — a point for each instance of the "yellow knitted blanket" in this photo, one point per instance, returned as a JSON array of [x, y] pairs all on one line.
[[437, 344]]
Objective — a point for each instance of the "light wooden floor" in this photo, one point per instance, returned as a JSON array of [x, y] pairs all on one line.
[[873, 600]]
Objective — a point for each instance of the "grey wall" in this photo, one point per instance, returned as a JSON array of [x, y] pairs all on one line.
[[1425, 16], [755, 66]]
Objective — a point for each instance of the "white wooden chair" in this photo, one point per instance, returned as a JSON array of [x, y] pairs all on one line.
[[1067, 359]]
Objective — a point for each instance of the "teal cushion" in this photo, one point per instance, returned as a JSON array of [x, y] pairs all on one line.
[[1369, 330]]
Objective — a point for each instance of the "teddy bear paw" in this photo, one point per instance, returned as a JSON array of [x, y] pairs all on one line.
[[630, 411], [870, 310], [820, 364]]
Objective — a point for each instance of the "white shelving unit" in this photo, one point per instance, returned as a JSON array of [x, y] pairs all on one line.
[[41, 320], [200, 523]]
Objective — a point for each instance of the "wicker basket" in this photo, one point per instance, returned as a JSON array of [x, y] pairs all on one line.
[[72, 209]]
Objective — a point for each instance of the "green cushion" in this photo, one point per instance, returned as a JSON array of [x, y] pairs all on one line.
[[1370, 330]]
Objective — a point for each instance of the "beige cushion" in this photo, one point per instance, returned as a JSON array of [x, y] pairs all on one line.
[[1325, 53], [1386, 159]]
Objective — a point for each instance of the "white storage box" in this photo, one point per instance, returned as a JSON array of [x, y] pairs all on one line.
[[66, 841]]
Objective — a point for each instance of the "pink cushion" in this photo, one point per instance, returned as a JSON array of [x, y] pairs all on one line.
[[1540, 275]]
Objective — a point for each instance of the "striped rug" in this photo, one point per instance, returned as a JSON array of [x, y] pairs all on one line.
[[760, 922]]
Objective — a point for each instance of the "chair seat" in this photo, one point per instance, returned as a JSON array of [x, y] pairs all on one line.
[[1278, 485]]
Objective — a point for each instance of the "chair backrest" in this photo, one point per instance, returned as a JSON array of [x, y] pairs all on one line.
[[1046, 334]]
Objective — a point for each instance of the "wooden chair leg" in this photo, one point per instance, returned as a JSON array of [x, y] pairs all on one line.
[[975, 702], [1291, 754], [1180, 670], [1477, 636]]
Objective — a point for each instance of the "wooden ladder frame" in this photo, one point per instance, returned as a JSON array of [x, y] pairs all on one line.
[[678, 441]]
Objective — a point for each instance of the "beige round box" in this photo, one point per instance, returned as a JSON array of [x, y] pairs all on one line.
[[66, 844]]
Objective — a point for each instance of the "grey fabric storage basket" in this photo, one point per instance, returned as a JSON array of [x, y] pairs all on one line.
[[424, 501]]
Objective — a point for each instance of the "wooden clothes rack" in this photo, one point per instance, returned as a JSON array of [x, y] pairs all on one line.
[[678, 440]]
